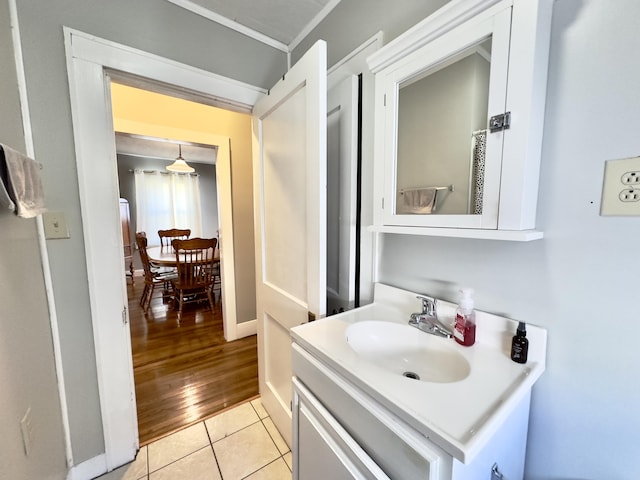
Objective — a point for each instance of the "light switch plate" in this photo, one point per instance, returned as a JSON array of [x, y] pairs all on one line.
[[55, 225], [621, 187]]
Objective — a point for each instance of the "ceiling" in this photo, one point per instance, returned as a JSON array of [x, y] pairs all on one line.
[[164, 149], [281, 23]]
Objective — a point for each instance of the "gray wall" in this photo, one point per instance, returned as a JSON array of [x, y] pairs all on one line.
[[585, 418], [158, 27], [352, 22], [27, 372]]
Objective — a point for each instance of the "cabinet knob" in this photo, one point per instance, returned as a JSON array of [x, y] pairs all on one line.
[[495, 472]]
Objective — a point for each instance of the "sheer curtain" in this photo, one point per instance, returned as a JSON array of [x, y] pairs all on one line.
[[167, 200]]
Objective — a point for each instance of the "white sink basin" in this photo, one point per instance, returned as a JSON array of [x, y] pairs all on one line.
[[407, 351]]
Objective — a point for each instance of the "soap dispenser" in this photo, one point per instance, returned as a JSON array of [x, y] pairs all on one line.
[[520, 344], [465, 327]]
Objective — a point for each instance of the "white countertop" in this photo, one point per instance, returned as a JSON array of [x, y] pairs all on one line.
[[461, 416]]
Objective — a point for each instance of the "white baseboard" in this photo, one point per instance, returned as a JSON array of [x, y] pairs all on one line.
[[245, 329], [92, 468]]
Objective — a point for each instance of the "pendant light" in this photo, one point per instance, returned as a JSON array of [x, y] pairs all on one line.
[[179, 165]]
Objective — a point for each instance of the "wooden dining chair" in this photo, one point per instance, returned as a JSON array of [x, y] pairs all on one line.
[[217, 275], [152, 278], [195, 276], [217, 280], [171, 234]]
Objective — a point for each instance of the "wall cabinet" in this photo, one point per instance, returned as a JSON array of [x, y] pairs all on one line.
[[459, 113]]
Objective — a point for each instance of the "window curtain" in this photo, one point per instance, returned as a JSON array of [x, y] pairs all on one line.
[[167, 200]]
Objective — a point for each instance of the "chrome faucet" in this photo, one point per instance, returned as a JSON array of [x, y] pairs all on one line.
[[427, 320]]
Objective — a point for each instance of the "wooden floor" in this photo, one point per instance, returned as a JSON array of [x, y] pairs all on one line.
[[185, 372]]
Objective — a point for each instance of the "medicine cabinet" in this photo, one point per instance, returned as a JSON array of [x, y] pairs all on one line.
[[459, 114]]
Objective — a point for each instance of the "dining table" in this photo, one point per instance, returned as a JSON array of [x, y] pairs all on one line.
[[166, 257]]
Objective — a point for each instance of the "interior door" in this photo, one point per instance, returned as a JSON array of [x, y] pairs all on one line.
[[342, 165], [289, 135]]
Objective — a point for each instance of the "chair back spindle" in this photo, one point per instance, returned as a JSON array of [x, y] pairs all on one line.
[[168, 236]]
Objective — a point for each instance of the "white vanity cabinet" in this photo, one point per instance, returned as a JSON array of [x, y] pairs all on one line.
[[341, 433], [378, 439], [459, 112], [357, 417]]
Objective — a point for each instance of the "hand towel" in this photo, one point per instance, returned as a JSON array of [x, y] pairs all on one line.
[[21, 181], [417, 201], [5, 199]]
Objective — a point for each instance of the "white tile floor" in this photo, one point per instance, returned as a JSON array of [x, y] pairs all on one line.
[[241, 443]]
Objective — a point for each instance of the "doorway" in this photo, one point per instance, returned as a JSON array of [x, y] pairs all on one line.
[[183, 371], [144, 109], [89, 60]]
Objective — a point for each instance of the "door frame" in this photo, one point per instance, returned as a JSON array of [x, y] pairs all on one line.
[[89, 59], [367, 246]]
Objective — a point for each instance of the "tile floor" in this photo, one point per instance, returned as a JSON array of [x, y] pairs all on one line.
[[241, 443]]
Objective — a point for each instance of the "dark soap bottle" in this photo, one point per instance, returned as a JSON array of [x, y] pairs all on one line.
[[520, 344]]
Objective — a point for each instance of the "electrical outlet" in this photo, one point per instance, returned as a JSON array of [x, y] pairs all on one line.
[[630, 178], [630, 195], [621, 187], [26, 425]]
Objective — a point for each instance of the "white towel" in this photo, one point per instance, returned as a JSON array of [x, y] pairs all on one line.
[[21, 182], [5, 199], [417, 201]]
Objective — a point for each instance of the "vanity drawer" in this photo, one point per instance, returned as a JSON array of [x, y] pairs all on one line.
[[398, 449]]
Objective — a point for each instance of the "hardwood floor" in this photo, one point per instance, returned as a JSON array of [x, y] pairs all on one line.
[[185, 372]]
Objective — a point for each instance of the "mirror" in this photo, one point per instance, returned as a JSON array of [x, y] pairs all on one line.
[[441, 134]]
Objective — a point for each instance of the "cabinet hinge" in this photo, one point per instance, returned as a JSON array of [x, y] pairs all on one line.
[[384, 100], [497, 123], [382, 203], [124, 315]]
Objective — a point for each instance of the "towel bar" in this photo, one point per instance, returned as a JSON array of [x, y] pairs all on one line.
[[451, 188]]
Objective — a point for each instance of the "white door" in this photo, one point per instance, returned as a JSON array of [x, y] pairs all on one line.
[[342, 165], [289, 135]]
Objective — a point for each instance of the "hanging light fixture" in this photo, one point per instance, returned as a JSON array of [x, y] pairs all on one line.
[[179, 165]]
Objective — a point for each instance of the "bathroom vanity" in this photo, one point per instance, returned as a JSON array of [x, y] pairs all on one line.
[[376, 398]]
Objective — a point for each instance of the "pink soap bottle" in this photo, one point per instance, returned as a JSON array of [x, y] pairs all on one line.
[[464, 331]]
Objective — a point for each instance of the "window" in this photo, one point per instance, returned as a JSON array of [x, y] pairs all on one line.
[[167, 200]]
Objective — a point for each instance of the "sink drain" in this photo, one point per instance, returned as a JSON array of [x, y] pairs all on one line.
[[412, 375]]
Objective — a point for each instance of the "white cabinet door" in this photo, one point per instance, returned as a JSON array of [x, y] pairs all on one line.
[[323, 449], [289, 148], [391, 444], [429, 165]]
